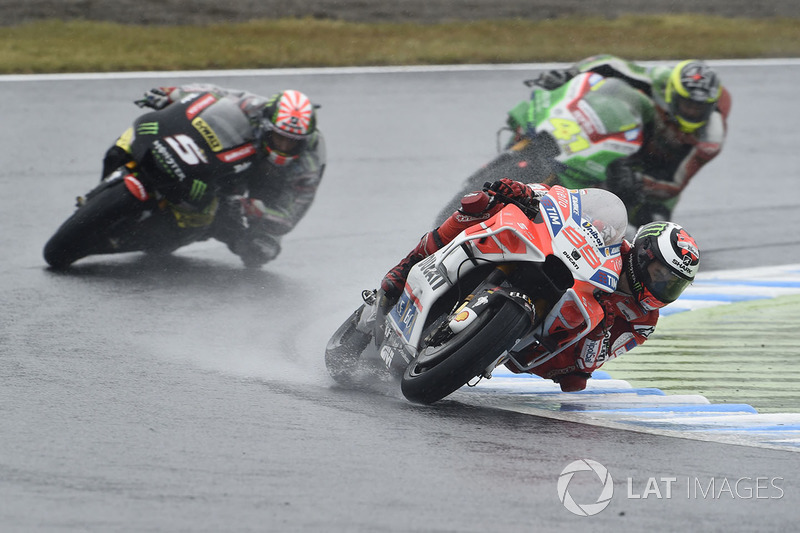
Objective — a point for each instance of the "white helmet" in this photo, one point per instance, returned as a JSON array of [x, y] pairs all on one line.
[[663, 262]]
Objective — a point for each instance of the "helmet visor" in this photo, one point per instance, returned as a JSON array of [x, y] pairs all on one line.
[[693, 111], [689, 113], [663, 283], [282, 143]]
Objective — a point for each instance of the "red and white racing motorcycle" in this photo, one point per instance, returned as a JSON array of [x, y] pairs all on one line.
[[525, 277]]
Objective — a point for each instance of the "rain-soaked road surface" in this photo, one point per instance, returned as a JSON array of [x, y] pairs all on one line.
[[189, 394]]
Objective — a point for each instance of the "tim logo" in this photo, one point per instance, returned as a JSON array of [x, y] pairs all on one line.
[[552, 213]]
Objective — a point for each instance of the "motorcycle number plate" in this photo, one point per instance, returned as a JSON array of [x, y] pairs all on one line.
[[404, 315]]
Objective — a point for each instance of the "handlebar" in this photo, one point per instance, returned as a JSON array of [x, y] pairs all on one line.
[[530, 208]]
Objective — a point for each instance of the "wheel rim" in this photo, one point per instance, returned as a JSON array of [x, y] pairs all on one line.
[[431, 356]]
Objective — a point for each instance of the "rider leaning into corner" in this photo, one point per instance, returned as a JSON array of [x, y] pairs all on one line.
[[272, 194], [687, 132], [657, 266]]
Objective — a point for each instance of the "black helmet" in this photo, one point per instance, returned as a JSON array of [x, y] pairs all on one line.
[[288, 115], [692, 92], [663, 262]]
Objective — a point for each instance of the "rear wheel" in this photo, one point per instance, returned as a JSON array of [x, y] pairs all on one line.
[[444, 367], [89, 230], [344, 349]]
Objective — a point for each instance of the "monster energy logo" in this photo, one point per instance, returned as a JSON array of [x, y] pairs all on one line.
[[654, 229], [198, 189], [147, 128]]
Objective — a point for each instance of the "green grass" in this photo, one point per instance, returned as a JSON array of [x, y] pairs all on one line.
[[80, 46], [736, 353]]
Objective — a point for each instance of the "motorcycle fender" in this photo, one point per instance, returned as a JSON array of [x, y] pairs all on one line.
[[489, 299], [493, 299]]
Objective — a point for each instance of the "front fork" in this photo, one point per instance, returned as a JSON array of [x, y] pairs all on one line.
[[487, 296], [490, 293]]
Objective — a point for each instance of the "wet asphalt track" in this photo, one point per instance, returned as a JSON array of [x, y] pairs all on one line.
[[191, 395]]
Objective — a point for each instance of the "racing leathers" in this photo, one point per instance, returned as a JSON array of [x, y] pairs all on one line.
[[659, 172], [625, 324], [258, 201]]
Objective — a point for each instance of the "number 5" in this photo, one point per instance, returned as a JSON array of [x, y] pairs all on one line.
[[187, 149]]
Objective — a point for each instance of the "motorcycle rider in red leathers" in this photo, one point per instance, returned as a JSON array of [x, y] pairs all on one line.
[[660, 263], [274, 188], [687, 132]]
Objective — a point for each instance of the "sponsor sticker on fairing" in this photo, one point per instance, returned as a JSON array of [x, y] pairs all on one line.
[[237, 153], [404, 315], [552, 214], [197, 107]]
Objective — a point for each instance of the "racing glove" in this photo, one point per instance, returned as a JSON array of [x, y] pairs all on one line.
[[626, 183], [553, 79], [275, 220], [156, 98], [514, 190]]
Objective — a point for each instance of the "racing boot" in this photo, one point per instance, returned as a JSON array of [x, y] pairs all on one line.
[[475, 207], [395, 279]]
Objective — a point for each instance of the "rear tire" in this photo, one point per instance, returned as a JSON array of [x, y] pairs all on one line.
[[441, 370], [344, 349], [89, 229]]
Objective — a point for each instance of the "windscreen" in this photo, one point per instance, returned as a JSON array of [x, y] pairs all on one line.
[[224, 122], [606, 212]]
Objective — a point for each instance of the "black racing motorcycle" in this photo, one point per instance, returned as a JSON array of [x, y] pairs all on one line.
[[160, 189]]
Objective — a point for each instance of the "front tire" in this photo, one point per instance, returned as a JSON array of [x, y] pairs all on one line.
[[441, 370], [89, 229]]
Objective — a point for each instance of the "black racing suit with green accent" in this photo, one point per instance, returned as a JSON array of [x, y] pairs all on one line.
[[259, 202]]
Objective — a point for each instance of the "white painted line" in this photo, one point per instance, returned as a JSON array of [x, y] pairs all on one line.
[[338, 71]]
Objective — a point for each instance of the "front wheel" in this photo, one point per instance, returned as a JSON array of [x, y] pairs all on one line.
[[89, 230], [442, 369]]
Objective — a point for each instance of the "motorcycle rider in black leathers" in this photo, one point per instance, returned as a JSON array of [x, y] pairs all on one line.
[[275, 184]]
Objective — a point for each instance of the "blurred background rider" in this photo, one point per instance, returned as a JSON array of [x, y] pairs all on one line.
[[273, 190], [688, 131]]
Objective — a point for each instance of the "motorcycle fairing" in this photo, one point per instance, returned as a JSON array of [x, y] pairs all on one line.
[[429, 279], [591, 124], [183, 150], [509, 236], [578, 242]]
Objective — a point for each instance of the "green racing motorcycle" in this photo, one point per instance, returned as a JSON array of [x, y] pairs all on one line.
[[570, 136]]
